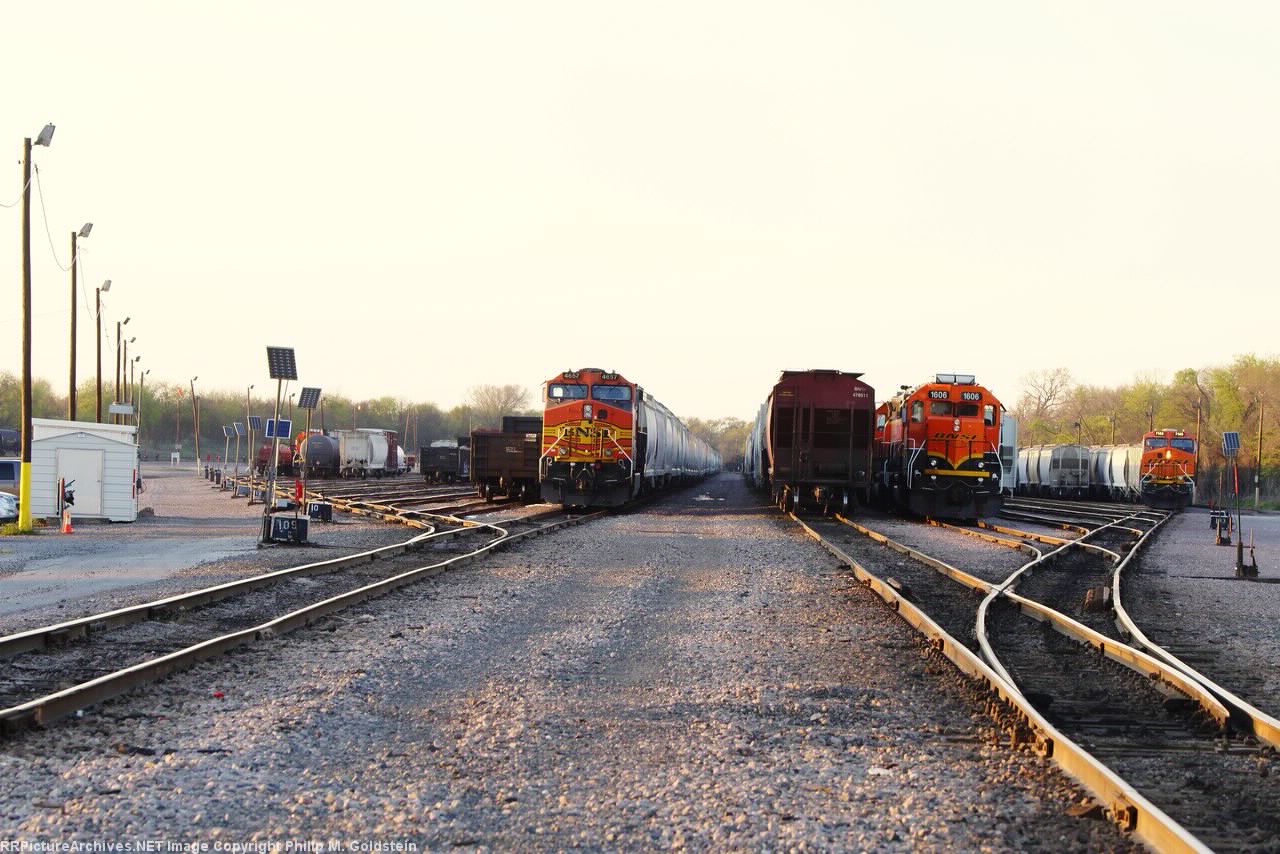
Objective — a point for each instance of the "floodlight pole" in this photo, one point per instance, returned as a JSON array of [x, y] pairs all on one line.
[[24, 486], [97, 323], [226, 446]]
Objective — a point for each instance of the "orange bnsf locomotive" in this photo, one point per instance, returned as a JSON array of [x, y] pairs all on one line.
[[1168, 472], [938, 449], [604, 442]]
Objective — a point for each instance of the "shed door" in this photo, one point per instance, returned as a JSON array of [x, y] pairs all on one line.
[[84, 466]]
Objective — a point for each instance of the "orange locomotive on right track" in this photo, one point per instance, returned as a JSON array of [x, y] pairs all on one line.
[[938, 449], [1168, 472]]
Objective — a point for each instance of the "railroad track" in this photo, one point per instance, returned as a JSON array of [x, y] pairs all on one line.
[[1170, 758], [57, 670]]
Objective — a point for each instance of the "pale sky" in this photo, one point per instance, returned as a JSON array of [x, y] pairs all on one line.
[[697, 195]]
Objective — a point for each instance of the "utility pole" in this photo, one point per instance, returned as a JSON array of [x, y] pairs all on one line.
[[97, 315], [195, 419], [24, 487], [1257, 472]]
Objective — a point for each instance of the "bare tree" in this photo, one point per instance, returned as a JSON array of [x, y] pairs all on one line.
[[489, 403], [1044, 394]]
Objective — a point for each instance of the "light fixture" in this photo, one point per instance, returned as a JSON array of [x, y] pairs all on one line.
[[106, 286], [46, 136], [85, 229]]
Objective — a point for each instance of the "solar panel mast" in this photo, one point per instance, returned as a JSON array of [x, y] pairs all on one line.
[[307, 400], [283, 366]]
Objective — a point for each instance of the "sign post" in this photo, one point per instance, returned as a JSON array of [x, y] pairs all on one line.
[[1231, 450]]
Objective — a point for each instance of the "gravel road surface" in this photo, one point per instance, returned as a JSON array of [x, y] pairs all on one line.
[[695, 673]]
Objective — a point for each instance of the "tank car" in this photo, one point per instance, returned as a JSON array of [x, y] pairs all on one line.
[[319, 454], [754, 462], [284, 459], [1167, 473], [938, 452], [1055, 471], [605, 441], [816, 429]]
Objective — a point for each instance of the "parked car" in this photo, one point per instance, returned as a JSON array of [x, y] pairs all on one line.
[[10, 475], [8, 507]]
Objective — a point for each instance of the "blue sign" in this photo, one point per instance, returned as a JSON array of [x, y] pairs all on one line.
[[286, 426]]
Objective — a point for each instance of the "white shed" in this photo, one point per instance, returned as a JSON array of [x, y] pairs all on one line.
[[102, 459]]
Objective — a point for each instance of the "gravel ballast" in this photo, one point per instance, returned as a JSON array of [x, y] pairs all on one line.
[[693, 673]]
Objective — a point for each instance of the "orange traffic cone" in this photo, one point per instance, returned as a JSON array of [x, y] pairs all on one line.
[[66, 522]]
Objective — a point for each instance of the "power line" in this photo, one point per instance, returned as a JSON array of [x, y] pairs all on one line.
[[44, 214], [20, 195]]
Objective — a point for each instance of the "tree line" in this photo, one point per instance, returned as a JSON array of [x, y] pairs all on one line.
[[1243, 397], [166, 413]]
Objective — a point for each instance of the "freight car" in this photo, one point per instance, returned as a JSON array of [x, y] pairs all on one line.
[[284, 460], [813, 441], [1054, 471], [367, 452], [605, 442], [446, 460], [755, 464], [319, 454], [505, 462], [938, 449]]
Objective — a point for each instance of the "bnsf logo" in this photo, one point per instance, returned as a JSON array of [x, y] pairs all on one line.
[[584, 432]]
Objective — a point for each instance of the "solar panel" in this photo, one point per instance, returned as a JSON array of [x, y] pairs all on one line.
[[240, 431], [286, 426], [310, 398], [227, 431], [255, 423], [281, 363], [1230, 444]]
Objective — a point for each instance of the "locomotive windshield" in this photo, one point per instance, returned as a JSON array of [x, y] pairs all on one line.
[[566, 391], [1154, 442], [611, 392], [1188, 445], [945, 407]]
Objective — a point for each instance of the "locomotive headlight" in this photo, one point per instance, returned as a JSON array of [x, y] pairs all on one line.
[[1168, 455]]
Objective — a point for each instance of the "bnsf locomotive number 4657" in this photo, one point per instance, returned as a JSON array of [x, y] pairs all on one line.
[[605, 442]]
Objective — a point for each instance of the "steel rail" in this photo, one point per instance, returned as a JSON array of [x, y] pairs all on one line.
[[1264, 727], [1123, 804], [40, 638], [1136, 660], [51, 707]]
